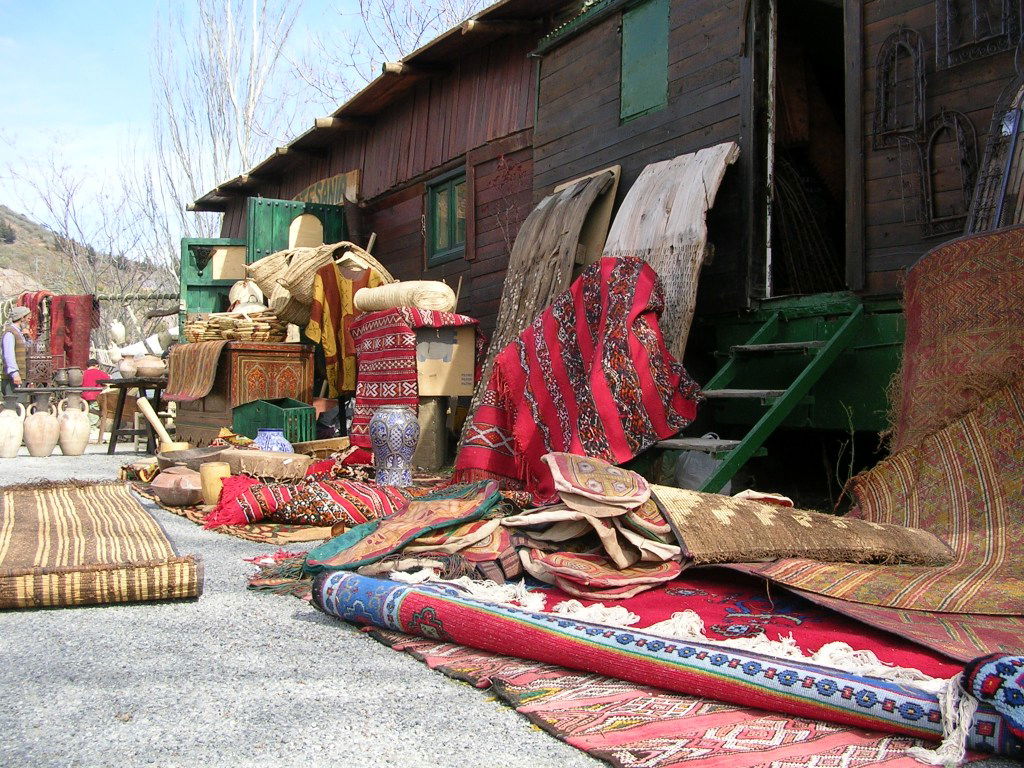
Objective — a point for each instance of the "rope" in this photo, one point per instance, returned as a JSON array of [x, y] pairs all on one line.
[[421, 294]]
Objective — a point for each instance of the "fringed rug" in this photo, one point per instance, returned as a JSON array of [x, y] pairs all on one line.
[[963, 484], [591, 376], [791, 687], [964, 306], [192, 369], [86, 544], [636, 726]]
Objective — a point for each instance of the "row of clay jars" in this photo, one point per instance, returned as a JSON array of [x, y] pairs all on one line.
[[43, 430]]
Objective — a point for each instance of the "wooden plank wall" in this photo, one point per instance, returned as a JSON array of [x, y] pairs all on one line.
[[578, 128], [479, 115], [892, 244]]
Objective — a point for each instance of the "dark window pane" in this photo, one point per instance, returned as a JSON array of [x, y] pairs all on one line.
[[460, 212]]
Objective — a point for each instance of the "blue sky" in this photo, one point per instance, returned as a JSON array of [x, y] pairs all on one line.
[[74, 71], [75, 74]]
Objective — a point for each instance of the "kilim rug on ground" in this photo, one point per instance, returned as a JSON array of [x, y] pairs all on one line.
[[86, 544], [963, 484], [591, 376], [191, 370], [266, 533], [636, 726], [964, 307], [791, 687], [734, 606], [385, 345]]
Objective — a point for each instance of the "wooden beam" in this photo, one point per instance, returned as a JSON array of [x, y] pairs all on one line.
[[406, 70], [501, 26], [340, 124]]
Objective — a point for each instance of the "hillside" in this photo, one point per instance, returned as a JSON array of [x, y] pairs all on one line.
[[36, 256]]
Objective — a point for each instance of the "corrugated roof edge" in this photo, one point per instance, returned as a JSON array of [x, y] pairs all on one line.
[[504, 10], [591, 12]]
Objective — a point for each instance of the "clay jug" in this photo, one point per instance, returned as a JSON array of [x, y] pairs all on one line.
[[127, 367], [42, 431], [74, 427], [12, 428]]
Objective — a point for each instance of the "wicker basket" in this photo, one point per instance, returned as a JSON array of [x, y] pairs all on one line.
[[288, 308], [363, 258], [302, 269], [269, 269], [229, 326]]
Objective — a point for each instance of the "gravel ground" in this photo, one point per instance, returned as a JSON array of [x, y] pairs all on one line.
[[235, 679]]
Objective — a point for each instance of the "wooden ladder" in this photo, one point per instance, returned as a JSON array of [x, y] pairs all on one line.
[[821, 353]]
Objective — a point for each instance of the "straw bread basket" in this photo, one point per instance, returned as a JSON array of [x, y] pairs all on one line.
[[235, 326], [287, 308]]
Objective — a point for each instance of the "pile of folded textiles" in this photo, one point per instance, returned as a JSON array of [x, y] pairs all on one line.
[[610, 536]]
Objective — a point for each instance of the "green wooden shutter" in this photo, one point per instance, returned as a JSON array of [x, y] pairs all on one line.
[[199, 292], [644, 79], [267, 223]]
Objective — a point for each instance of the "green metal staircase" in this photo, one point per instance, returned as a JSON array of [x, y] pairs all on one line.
[[770, 354]]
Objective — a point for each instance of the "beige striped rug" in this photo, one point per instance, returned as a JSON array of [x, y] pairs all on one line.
[[86, 544]]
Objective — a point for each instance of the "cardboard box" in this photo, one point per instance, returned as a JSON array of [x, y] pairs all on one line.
[[445, 360]]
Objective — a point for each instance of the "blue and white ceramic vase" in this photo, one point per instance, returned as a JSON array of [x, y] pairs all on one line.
[[272, 440], [394, 433]]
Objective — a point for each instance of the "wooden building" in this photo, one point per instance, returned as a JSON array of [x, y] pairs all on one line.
[[863, 130], [434, 156]]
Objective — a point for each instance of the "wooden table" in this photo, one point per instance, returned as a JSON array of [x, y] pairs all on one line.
[[122, 386]]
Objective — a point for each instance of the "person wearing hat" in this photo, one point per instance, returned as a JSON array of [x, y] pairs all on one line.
[[14, 348]]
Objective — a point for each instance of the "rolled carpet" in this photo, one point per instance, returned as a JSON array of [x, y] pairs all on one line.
[[420, 294], [440, 612]]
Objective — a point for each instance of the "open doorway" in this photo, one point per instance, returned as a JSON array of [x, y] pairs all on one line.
[[807, 149]]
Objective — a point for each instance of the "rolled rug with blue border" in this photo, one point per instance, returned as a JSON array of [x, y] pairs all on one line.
[[440, 612]]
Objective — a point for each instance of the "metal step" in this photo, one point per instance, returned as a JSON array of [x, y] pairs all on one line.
[[705, 444], [751, 394], [786, 346]]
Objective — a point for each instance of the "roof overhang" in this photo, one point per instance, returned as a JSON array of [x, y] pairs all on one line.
[[502, 19]]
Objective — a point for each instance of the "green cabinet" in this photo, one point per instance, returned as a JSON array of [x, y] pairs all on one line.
[[208, 270], [270, 224]]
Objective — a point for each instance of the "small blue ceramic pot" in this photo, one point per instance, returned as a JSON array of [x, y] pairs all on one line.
[[394, 434], [272, 440]]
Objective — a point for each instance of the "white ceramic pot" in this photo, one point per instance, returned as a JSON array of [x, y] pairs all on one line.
[[74, 427], [42, 430], [150, 366], [127, 367], [12, 429]]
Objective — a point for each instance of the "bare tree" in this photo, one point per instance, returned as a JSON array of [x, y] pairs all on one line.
[[339, 63], [221, 98]]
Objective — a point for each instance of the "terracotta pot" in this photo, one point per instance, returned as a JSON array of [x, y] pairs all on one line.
[[75, 377], [127, 367], [150, 366], [60, 377], [42, 430], [74, 427], [12, 428], [180, 488]]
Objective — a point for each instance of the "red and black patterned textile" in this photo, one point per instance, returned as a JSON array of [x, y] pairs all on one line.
[[386, 354], [72, 319], [591, 376]]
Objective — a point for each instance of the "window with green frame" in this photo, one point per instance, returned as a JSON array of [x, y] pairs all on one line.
[[446, 218], [644, 78]]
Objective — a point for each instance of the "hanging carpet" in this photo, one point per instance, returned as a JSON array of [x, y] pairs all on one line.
[[629, 725], [86, 544], [964, 308], [540, 265], [72, 319], [192, 370], [787, 686], [663, 221], [591, 376]]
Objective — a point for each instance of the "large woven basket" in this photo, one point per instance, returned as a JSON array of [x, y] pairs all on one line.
[[362, 258], [302, 269], [288, 308], [269, 269]]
